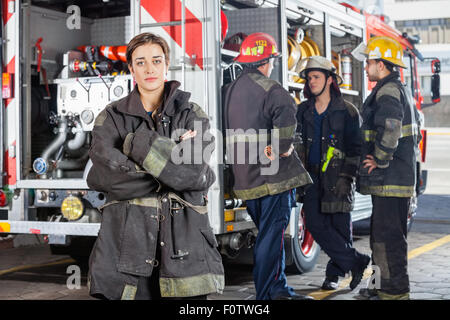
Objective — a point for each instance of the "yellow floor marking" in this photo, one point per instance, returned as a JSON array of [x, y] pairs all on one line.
[[430, 246], [322, 294], [32, 266], [438, 133]]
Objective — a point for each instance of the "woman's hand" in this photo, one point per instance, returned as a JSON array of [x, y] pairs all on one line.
[[188, 135]]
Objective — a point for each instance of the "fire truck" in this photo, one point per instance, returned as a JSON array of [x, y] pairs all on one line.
[[63, 62]]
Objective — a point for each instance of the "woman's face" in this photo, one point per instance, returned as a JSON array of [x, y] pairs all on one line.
[[149, 67], [317, 80]]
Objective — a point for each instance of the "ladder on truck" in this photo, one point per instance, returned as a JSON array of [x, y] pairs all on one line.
[[206, 64], [145, 27]]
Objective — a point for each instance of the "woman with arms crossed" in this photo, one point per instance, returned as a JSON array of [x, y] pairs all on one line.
[[155, 239]]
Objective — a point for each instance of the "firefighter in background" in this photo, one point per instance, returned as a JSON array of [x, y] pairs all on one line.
[[329, 143], [255, 107], [155, 239], [388, 164]]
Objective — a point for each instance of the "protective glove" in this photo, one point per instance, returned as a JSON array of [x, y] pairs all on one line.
[[343, 187], [128, 142]]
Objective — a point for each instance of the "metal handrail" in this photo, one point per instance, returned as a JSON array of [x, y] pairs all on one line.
[[181, 22]]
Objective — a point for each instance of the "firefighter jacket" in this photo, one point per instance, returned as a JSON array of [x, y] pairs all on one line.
[[259, 112], [341, 131], [390, 134], [151, 200]]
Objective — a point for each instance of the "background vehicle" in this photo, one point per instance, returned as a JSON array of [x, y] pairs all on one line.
[[63, 64]]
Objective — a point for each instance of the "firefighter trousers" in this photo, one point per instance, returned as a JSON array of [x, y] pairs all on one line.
[[388, 232], [271, 216], [332, 231]]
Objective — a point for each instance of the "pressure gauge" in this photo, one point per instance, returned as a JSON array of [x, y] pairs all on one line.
[[118, 91], [87, 116]]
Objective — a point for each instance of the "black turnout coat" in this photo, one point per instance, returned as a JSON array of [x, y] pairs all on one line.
[[153, 201], [341, 131]]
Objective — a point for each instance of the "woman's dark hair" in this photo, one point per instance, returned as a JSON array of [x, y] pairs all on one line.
[[143, 39]]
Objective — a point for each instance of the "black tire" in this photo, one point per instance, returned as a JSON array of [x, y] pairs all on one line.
[[361, 227], [79, 248], [302, 248]]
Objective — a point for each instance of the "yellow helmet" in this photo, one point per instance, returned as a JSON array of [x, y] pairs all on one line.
[[383, 48]]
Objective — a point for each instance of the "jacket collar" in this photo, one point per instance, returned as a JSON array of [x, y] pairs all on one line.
[[252, 70], [393, 76], [173, 99]]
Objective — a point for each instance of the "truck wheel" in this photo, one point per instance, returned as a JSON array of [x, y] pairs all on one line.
[[304, 250], [79, 248]]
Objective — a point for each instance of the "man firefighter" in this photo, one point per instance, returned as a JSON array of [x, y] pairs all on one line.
[[388, 164], [259, 112], [329, 143]]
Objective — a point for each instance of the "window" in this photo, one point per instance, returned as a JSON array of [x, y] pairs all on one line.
[[423, 33], [407, 71], [447, 35], [425, 85]]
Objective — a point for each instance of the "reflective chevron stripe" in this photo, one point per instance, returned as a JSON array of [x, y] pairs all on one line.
[[158, 156], [407, 131], [388, 191]]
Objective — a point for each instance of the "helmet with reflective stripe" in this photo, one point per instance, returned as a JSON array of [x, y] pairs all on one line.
[[383, 48], [257, 47]]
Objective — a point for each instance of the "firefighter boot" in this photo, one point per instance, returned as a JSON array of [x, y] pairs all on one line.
[[386, 296], [368, 293], [358, 271]]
